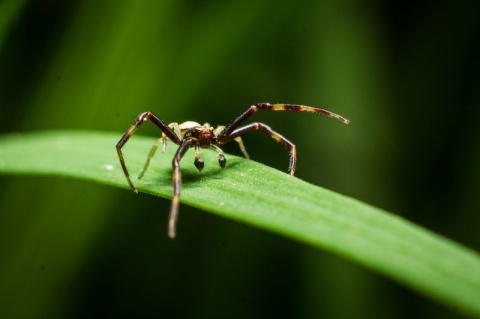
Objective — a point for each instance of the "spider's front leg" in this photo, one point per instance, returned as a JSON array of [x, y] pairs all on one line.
[[139, 121], [177, 182], [276, 107], [232, 131]]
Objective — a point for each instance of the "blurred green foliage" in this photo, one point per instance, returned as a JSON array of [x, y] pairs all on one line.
[[405, 74]]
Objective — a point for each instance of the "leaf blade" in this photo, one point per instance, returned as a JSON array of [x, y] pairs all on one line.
[[255, 194]]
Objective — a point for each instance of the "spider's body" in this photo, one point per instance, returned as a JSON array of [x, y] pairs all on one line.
[[191, 134], [202, 135]]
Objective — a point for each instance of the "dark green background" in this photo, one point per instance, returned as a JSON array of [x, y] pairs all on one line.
[[405, 73]]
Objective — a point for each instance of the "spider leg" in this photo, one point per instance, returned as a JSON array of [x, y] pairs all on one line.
[[238, 139], [150, 156], [177, 182], [139, 121], [163, 140], [176, 128], [276, 136], [275, 107]]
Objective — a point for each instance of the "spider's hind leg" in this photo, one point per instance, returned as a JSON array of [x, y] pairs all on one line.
[[150, 156], [237, 139], [174, 126]]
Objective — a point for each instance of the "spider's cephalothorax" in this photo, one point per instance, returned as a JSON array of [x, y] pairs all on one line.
[[191, 134]]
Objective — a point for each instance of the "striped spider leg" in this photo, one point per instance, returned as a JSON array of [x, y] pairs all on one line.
[[173, 132], [233, 130], [191, 134]]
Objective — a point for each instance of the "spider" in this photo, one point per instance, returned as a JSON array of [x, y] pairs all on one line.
[[191, 134]]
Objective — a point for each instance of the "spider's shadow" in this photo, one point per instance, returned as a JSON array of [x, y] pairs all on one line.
[[190, 174], [193, 175]]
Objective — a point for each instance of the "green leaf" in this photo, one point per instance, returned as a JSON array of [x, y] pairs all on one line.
[[258, 195]]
